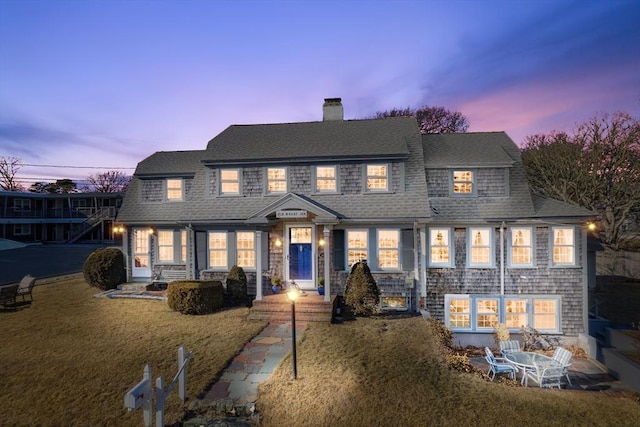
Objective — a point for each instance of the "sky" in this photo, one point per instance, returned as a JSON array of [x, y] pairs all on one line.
[[88, 86]]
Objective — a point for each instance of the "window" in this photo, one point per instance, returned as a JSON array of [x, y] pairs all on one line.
[[356, 246], [218, 250], [463, 182], [165, 245], [521, 247], [21, 229], [480, 247], [276, 180], [174, 189], [487, 313], [326, 179], [246, 250], [229, 181], [459, 313], [563, 246], [515, 313], [377, 178], [482, 313], [440, 251], [183, 246], [388, 249], [22, 205]]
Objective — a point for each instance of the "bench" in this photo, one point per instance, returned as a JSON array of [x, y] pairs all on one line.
[[170, 275], [8, 295]]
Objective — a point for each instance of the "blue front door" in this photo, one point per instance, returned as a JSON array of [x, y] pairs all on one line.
[[300, 256]]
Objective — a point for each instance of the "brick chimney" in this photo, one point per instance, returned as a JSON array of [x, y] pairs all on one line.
[[332, 109]]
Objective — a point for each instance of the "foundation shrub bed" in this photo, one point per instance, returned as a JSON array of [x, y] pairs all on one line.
[[195, 297], [104, 268]]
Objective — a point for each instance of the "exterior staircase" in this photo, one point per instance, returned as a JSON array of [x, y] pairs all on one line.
[[310, 307]]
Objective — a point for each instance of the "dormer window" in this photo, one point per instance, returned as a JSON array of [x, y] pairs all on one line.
[[326, 181], [175, 190], [462, 182], [377, 178], [276, 180], [229, 181]]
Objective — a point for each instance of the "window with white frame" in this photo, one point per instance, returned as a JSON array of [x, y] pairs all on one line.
[[165, 245], [326, 179], [440, 247], [377, 178], [480, 244], [388, 249], [174, 189], [483, 312], [357, 244], [21, 229], [463, 182], [521, 246], [229, 181], [183, 246], [218, 250], [276, 180], [246, 249], [21, 205], [563, 242]]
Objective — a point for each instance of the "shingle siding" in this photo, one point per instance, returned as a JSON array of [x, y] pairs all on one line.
[[491, 182]]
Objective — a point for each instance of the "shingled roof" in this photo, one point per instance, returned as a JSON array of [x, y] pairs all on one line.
[[473, 149]]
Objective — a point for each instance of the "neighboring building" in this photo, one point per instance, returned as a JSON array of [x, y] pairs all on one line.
[[447, 223], [58, 218]]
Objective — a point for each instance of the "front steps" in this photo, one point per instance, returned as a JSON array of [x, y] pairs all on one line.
[[310, 307]]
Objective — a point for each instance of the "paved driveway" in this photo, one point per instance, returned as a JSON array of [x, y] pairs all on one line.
[[43, 261]]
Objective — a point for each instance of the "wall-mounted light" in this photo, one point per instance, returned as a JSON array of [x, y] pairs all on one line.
[[591, 226], [321, 242], [278, 243], [118, 229], [150, 231]]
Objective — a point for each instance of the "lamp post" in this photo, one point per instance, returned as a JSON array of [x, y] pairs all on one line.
[[293, 294]]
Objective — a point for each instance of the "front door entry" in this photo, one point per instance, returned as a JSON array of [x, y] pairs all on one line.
[[300, 265], [141, 255]]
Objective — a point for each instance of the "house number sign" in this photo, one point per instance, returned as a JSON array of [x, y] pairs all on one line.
[[291, 214]]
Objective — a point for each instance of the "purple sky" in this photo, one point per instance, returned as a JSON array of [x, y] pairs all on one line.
[[93, 84]]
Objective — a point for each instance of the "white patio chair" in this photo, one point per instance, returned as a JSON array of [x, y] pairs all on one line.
[[563, 357], [509, 347], [497, 365], [547, 375]]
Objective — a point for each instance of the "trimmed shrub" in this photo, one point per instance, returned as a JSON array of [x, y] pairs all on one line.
[[105, 268], [361, 291], [195, 297], [237, 283]]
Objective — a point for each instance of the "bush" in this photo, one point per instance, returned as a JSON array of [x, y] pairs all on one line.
[[195, 297], [105, 268], [361, 291], [501, 333], [237, 283]]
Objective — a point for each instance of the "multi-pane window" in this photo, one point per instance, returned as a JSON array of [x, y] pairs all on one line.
[[487, 313], [480, 245], [388, 249], [377, 177], [183, 246], [521, 248], [356, 246], [516, 313], [21, 205], [165, 245], [218, 250], [440, 247], [459, 313], [545, 314], [229, 181], [246, 249], [174, 189], [326, 179], [563, 246], [276, 180], [463, 182]]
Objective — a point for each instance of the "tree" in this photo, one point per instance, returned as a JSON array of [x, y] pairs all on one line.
[[430, 119], [597, 167], [40, 187], [61, 186], [9, 167], [109, 182]]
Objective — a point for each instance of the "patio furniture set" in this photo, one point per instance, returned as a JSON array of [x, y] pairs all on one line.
[[546, 371], [10, 293]]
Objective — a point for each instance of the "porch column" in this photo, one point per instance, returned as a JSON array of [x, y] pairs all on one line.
[[258, 265], [327, 264]]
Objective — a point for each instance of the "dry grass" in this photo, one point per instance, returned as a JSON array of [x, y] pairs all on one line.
[[382, 372], [69, 358]]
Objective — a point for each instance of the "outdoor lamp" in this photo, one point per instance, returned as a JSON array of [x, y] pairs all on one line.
[[293, 294]]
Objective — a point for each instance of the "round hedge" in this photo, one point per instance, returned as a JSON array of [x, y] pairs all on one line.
[[105, 268]]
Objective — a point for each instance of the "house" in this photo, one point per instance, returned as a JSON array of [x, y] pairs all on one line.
[[446, 223], [58, 218]]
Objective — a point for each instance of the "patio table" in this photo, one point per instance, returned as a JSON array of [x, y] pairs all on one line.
[[526, 361]]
